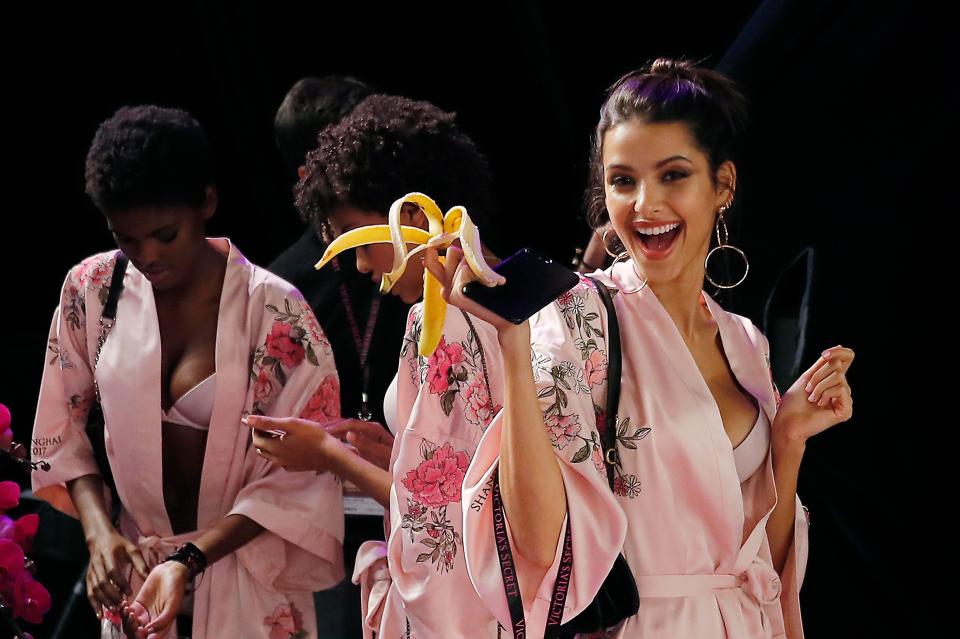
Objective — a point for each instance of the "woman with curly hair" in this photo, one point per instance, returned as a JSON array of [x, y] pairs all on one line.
[[415, 585], [698, 491], [201, 338]]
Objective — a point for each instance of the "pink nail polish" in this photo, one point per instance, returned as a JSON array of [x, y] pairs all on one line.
[[810, 399]]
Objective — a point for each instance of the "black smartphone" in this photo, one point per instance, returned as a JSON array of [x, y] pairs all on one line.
[[533, 281]]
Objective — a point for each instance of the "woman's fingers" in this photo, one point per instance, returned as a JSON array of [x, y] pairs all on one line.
[[119, 579], [270, 457], [103, 589], [265, 443], [374, 451], [92, 597], [431, 261], [832, 359], [829, 381], [159, 626], [108, 594], [139, 563]]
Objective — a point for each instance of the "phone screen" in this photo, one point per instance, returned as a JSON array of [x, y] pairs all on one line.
[[533, 281]]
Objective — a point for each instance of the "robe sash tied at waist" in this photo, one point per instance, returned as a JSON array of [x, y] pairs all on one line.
[[759, 580]]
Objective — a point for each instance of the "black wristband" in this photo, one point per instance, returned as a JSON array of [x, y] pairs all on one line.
[[191, 557]]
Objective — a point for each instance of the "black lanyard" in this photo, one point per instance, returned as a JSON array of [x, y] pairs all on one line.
[[362, 345]]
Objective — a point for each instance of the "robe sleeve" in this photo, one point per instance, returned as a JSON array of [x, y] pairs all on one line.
[[67, 387], [443, 406], [569, 357], [292, 374]]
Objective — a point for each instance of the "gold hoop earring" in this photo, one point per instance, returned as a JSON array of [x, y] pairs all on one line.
[[722, 245], [603, 240]]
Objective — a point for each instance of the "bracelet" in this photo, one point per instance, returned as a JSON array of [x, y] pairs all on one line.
[[191, 557]]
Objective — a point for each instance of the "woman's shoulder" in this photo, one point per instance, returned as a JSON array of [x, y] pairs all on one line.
[[570, 309], [94, 271], [270, 282], [742, 323]]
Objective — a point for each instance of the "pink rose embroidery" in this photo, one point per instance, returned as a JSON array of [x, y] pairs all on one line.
[[282, 347], [479, 411], [597, 457], [95, 271], [440, 363], [324, 405], [312, 327], [264, 387], [563, 429], [286, 622], [595, 368], [80, 408], [436, 481]]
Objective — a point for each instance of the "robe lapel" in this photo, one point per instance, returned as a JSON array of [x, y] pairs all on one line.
[[129, 379], [227, 439], [745, 350]]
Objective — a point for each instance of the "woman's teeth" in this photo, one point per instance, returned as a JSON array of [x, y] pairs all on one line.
[[658, 230]]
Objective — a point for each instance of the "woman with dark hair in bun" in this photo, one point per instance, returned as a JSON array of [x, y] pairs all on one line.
[[703, 503], [200, 339]]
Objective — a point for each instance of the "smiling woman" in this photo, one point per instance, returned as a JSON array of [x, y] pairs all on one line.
[[201, 339], [698, 491]]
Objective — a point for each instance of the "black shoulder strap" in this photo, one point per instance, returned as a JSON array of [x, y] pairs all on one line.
[[608, 436], [116, 285]]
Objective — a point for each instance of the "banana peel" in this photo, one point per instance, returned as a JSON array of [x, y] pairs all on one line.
[[443, 230]]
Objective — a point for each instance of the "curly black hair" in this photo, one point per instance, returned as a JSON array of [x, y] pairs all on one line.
[[148, 156], [389, 146], [310, 105]]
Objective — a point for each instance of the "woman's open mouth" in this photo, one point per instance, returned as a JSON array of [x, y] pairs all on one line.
[[656, 242]]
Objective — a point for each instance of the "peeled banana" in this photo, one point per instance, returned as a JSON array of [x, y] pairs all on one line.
[[443, 230]]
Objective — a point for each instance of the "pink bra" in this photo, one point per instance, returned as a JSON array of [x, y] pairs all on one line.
[[195, 407], [750, 453]]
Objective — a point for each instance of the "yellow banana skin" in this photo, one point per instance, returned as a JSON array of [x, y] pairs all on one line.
[[444, 229], [376, 234]]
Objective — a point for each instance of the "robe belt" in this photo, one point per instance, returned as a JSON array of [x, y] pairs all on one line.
[[759, 580]]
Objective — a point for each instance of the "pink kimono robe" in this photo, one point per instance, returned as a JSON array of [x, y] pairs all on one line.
[[271, 358], [416, 585], [693, 535]]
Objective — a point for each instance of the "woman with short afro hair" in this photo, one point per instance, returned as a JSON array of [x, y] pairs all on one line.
[[415, 585], [201, 338]]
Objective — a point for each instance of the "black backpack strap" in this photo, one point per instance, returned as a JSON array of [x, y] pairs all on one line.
[[116, 285], [608, 436]]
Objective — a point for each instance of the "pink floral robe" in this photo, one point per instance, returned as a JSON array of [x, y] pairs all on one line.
[[419, 577], [693, 535], [271, 358]]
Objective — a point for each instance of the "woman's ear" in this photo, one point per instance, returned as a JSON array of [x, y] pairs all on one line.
[[413, 215], [726, 182], [209, 202]]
